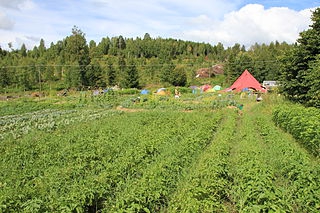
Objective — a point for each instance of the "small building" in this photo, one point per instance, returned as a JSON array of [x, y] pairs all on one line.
[[269, 84]]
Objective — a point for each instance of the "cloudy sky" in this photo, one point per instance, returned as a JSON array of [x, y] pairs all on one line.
[[211, 21]]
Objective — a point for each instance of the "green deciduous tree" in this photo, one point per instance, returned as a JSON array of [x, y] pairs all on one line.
[[4, 76], [72, 76], [77, 53], [300, 66], [166, 71], [27, 74], [179, 76], [313, 83], [237, 62]]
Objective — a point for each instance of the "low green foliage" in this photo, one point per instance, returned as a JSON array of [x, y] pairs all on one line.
[[25, 105], [205, 188], [94, 164], [192, 154], [303, 123]]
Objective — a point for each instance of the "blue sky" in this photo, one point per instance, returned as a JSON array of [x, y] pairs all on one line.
[[292, 4], [227, 21]]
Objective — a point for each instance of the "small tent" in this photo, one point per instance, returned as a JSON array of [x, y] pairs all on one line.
[[245, 81], [217, 87], [205, 88], [161, 91], [144, 92]]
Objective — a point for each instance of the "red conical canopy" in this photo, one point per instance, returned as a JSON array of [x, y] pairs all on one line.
[[246, 80]]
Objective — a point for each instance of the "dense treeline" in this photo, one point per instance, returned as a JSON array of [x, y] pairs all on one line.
[[128, 62], [134, 63]]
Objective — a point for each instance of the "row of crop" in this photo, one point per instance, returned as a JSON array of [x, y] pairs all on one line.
[[253, 188], [151, 189], [296, 174], [23, 105], [205, 187], [204, 101], [88, 167], [57, 165], [302, 123], [77, 165], [47, 120]]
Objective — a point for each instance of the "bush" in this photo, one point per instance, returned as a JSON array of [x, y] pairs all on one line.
[[302, 123], [130, 91]]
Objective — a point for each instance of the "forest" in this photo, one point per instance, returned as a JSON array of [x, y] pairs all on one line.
[[73, 62]]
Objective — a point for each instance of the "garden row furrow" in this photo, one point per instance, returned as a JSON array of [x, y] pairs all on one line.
[[157, 161], [252, 188], [151, 191], [88, 166], [205, 187], [270, 172], [297, 173]]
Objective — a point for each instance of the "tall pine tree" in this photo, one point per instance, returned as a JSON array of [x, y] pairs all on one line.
[[131, 78]]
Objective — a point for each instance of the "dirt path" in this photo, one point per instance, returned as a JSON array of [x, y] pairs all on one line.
[[120, 108]]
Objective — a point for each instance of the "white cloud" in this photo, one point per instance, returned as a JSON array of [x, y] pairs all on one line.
[[5, 22], [202, 20], [14, 4], [253, 23], [12, 20]]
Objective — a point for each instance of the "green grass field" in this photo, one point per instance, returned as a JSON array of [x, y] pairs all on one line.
[[121, 153]]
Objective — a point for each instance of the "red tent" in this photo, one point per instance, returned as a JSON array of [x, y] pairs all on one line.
[[205, 87], [246, 81]]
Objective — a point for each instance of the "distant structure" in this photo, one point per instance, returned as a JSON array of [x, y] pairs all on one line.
[[246, 81], [269, 84], [210, 72]]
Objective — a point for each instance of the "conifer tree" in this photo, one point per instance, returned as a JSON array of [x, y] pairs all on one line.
[[111, 74], [131, 79], [300, 67]]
